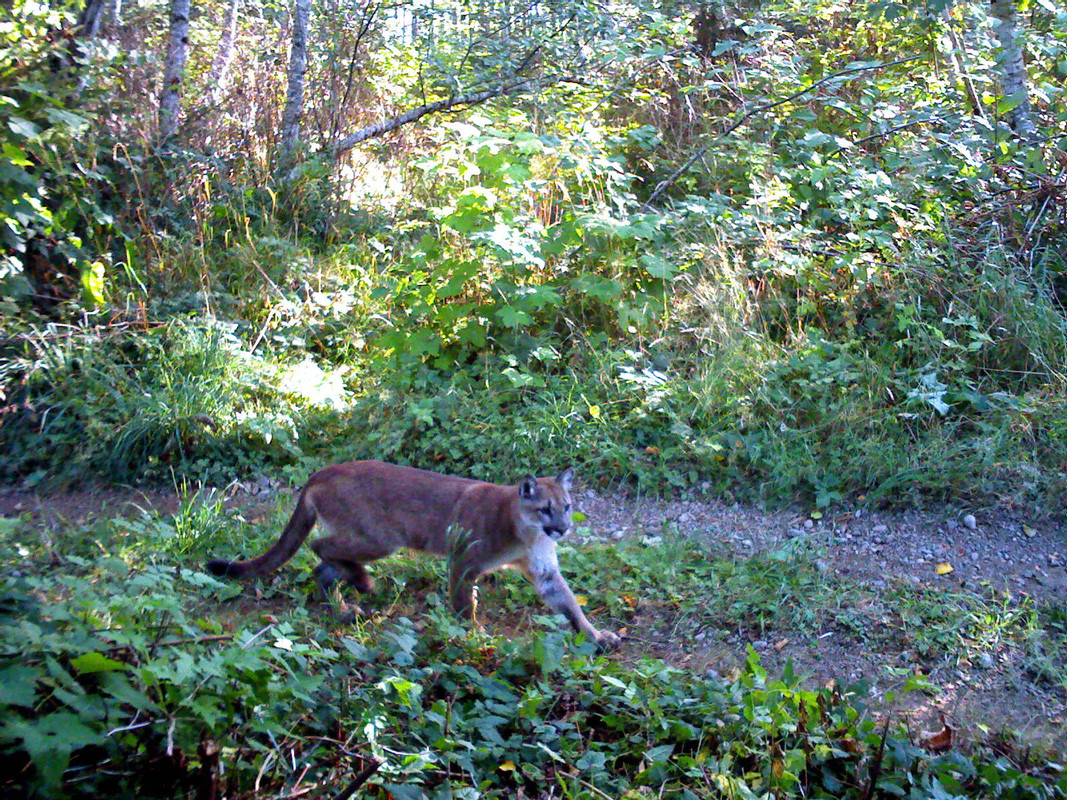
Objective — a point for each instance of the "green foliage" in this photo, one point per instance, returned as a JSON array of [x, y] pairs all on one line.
[[182, 400], [53, 215], [125, 668]]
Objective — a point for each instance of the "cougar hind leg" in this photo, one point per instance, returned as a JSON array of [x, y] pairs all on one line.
[[343, 560], [327, 573], [327, 576]]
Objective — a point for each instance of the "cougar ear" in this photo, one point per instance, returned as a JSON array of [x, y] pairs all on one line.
[[528, 487], [565, 477]]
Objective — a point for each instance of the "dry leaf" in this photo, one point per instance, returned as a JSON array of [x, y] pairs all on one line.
[[507, 766], [944, 568], [779, 645], [936, 741], [629, 600], [582, 599]]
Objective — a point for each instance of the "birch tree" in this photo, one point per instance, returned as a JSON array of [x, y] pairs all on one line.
[[218, 76], [174, 69], [1012, 67], [294, 99]]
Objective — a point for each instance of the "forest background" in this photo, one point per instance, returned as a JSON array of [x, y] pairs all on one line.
[[786, 252]]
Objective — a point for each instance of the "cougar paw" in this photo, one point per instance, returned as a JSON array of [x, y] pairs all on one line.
[[607, 640], [347, 613]]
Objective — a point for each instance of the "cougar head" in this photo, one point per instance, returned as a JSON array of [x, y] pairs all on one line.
[[545, 504]]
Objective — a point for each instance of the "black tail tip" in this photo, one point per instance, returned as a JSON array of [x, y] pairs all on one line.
[[222, 568]]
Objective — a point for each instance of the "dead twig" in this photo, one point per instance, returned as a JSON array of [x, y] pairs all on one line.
[[876, 766], [358, 781]]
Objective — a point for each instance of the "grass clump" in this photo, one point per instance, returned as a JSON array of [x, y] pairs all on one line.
[[182, 399]]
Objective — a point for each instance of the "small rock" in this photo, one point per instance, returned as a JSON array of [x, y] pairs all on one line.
[[746, 543], [879, 529], [809, 524], [822, 566], [651, 541], [700, 637], [712, 674], [1055, 560], [760, 644], [970, 521], [985, 661], [618, 534], [974, 557], [685, 518]]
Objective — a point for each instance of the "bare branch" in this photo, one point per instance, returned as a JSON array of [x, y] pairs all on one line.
[[662, 186], [514, 86]]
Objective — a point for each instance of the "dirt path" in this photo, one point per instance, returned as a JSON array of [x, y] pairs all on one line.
[[1024, 557]]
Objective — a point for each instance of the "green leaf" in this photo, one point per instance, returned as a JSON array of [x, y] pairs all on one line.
[[95, 662], [92, 280], [658, 754], [657, 267], [67, 119], [22, 127], [18, 685], [513, 317], [49, 741]]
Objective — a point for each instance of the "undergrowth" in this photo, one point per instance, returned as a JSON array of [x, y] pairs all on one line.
[[126, 670]]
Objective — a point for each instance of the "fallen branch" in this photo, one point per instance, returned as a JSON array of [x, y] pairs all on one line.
[[218, 637]]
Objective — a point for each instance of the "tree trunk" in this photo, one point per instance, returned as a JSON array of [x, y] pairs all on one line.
[[90, 19], [1012, 67], [707, 27], [174, 70], [82, 44], [218, 77], [294, 100]]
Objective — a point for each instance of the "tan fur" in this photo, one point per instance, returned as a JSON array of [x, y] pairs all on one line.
[[371, 509]]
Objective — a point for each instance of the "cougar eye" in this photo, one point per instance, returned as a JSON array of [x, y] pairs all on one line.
[[547, 510], [566, 507]]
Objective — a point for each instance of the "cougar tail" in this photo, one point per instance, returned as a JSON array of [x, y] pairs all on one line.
[[300, 525]]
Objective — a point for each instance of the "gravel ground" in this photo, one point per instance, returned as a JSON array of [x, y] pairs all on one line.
[[997, 548]]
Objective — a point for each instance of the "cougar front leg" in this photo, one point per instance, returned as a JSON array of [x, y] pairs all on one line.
[[462, 593], [543, 570]]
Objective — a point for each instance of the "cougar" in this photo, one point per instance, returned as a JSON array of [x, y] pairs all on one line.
[[371, 509]]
